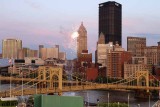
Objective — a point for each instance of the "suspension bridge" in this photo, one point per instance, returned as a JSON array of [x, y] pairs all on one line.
[[52, 80]]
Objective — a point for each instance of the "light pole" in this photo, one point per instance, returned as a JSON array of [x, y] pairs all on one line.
[[108, 99], [88, 98], [118, 104], [107, 80], [10, 80], [149, 101], [0, 84], [98, 102], [159, 90], [128, 99], [22, 81]]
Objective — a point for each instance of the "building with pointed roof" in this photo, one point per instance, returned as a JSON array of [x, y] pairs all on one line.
[[101, 39], [81, 39]]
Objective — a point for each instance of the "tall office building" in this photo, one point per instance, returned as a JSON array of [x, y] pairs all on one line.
[[81, 40], [102, 50], [10, 48], [40, 47], [153, 55], [136, 45], [26, 52], [110, 21], [52, 52]]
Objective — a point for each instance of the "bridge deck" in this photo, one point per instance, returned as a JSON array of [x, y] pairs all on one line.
[[32, 91]]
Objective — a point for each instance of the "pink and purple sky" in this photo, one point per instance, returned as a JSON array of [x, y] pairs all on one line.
[[50, 22]]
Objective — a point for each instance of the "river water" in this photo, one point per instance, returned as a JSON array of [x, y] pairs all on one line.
[[114, 96], [91, 96]]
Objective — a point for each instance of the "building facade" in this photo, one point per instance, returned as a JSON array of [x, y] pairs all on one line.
[[85, 59], [55, 62], [26, 52], [130, 69], [110, 21], [102, 50], [81, 40], [62, 55], [10, 48], [40, 47], [136, 45], [139, 60], [49, 53], [153, 54], [115, 63]]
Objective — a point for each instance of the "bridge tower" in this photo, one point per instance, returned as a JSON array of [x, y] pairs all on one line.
[[142, 78], [53, 74]]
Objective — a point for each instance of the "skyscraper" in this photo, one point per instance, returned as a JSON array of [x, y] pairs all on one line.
[[40, 53], [26, 52], [10, 48], [81, 40], [110, 21], [153, 54], [136, 45], [49, 53]]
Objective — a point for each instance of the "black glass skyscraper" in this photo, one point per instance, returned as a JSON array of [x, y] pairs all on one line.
[[110, 21]]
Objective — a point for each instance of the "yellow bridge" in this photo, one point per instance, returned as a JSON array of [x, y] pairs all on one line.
[[49, 80]]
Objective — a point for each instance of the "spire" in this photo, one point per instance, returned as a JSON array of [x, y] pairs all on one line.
[[82, 23], [82, 28], [101, 39]]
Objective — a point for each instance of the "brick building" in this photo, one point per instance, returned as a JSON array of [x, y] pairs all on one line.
[[115, 63]]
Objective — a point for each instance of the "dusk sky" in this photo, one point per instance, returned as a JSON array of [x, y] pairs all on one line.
[[50, 22]]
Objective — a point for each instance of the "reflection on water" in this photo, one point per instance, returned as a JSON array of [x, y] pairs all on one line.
[[114, 96]]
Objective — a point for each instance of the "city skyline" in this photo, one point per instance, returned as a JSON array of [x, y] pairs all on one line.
[[53, 22]]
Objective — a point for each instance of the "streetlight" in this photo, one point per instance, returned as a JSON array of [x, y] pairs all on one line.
[[128, 99], [88, 98], [159, 90], [11, 70], [149, 101], [22, 82], [98, 102], [107, 80], [118, 104], [108, 99], [0, 84]]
